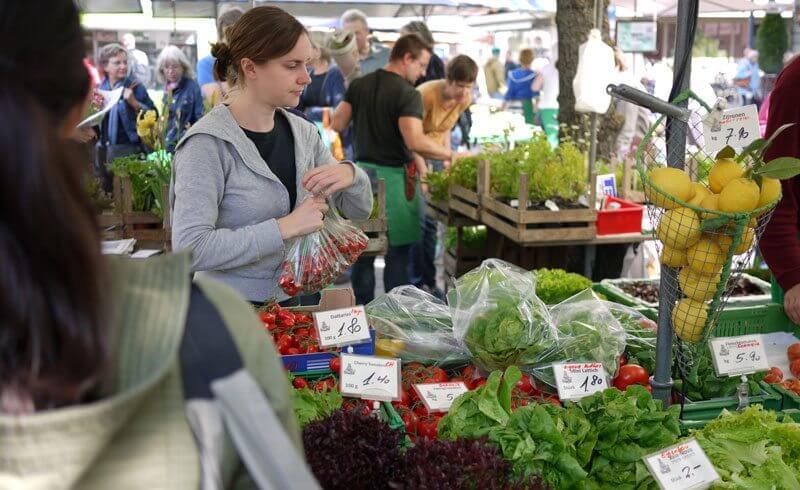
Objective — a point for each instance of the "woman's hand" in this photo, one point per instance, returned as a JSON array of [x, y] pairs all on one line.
[[305, 219], [84, 134], [130, 97], [328, 179]]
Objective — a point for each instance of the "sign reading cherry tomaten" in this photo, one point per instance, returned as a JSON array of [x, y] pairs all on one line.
[[438, 397], [345, 326], [734, 356], [580, 379], [370, 377], [683, 466]]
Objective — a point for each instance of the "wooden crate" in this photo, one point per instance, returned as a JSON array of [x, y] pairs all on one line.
[[110, 222], [443, 213], [528, 227], [628, 191], [376, 228], [466, 201], [148, 229]]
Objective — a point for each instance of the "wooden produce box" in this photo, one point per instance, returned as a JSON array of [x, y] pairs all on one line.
[[376, 228], [529, 227], [466, 201], [148, 229], [443, 213]]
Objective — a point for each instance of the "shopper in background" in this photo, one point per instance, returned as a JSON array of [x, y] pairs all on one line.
[[435, 69], [387, 116], [372, 54], [138, 63], [495, 74], [90, 350], [510, 64], [546, 83], [118, 137], [780, 244], [250, 175], [214, 90], [748, 77], [182, 97], [519, 86], [443, 102]]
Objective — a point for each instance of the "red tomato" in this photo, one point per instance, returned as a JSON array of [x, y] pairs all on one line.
[[420, 409], [312, 348], [469, 372], [301, 332], [285, 318], [427, 426], [437, 375], [300, 383], [284, 343], [478, 383], [335, 364], [325, 384], [794, 367], [774, 375], [404, 398], [292, 351], [623, 360], [554, 400], [266, 317], [631, 374], [793, 351], [524, 384]]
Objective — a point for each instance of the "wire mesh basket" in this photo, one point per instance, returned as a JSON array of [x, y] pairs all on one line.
[[708, 218]]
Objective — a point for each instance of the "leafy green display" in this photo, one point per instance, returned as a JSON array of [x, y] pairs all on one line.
[[438, 183], [556, 285], [148, 178], [702, 383], [311, 406]]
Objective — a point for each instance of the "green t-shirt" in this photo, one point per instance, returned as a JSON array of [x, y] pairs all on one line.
[[379, 100]]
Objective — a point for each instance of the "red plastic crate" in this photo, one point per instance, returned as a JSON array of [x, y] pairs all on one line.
[[626, 219]]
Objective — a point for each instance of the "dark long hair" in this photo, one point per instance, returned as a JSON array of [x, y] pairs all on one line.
[[51, 272]]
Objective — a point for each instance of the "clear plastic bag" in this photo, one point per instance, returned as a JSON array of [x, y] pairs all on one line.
[[498, 316], [586, 331], [640, 335], [415, 326], [314, 261]]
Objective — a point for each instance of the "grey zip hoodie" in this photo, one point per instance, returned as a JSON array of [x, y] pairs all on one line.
[[225, 201]]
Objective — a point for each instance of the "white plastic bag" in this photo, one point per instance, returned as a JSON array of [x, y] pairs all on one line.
[[596, 70]]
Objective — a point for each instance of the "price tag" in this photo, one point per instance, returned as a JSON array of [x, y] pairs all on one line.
[[577, 380], [438, 397], [370, 378], [682, 466], [345, 326], [734, 127], [734, 356]]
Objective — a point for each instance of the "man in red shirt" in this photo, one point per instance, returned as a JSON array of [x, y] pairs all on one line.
[[780, 243]]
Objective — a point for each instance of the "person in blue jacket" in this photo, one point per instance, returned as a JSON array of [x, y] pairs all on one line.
[[519, 85], [118, 136], [182, 96]]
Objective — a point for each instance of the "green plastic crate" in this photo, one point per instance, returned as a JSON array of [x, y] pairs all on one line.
[[790, 398], [753, 320], [792, 413], [711, 409]]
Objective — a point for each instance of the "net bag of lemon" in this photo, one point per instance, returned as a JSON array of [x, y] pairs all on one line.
[[708, 217]]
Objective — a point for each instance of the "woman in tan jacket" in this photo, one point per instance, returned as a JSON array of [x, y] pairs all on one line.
[[97, 357]]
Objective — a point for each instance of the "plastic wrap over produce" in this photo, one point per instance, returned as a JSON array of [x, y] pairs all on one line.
[[415, 326], [499, 317]]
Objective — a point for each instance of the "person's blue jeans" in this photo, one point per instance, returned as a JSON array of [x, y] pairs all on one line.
[[422, 266], [395, 274]]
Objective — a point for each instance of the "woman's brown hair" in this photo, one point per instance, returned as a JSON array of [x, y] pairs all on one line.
[[262, 34], [51, 271]]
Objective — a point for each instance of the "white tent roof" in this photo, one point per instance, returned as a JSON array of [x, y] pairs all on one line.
[[669, 8]]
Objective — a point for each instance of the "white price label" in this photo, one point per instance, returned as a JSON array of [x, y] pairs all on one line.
[[682, 466], [370, 378], [345, 326], [438, 397], [736, 128], [734, 356], [580, 379]]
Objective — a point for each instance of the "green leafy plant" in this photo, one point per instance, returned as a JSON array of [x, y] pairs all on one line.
[[148, 177], [556, 285], [438, 183], [464, 172], [311, 406], [471, 237], [772, 41]]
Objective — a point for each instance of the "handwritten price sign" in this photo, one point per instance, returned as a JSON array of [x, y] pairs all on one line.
[[734, 356], [438, 397], [577, 380], [736, 128], [682, 466], [346, 326], [370, 378]]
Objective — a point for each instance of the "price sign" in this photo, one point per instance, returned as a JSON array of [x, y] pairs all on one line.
[[370, 378], [577, 380], [734, 356], [682, 466], [734, 127], [438, 397], [345, 326]]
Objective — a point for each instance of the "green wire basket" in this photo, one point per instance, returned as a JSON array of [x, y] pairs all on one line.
[[702, 245]]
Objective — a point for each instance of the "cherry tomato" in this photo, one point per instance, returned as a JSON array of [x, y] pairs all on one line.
[[292, 351], [301, 332], [793, 351], [312, 348], [631, 374], [774, 375], [300, 383], [335, 364], [524, 384], [427, 426], [266, 317], [438, 375], [326, 384], [419, 409], [794, 367], [478, 383], [284, 343]]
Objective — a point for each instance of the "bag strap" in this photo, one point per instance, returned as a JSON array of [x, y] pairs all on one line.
[[218, 388]]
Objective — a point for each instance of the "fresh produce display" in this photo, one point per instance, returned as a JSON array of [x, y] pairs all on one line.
[[311, 405], [702, 382], [473, 237], [648, 290], [314, 261], [556, 285], [293, 333]]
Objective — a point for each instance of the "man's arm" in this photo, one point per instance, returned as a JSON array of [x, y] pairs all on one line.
[[417, 141], [342, 117]]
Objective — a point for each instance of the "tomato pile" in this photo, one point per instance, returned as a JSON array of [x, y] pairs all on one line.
[[631, 374], [293, 333], [316, 260], [775, 375]]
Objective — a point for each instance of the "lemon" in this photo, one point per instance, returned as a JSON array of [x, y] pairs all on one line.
[[705, 257], [739, 196], [725, 170], [725, 242], [711, 202], [679, 228], [770, 190], [673, 257], [671, 181], [696, 286], [700, 193], [388, 347], [688, 319]]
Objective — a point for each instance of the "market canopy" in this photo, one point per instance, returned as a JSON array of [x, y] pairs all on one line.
[[110, 6], [669, 8]]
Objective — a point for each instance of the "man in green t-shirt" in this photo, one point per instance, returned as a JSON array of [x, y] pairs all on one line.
[[386, 112]]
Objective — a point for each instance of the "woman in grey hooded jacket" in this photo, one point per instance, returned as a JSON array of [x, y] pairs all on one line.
[[251, 176]]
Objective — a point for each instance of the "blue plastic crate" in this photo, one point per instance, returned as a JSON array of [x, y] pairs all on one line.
[[318, 362]]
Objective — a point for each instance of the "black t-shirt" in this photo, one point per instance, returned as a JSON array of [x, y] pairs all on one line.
[[379, 100], [277, 149]]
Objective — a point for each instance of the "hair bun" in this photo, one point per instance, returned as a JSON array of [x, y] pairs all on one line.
[[221, 51]]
